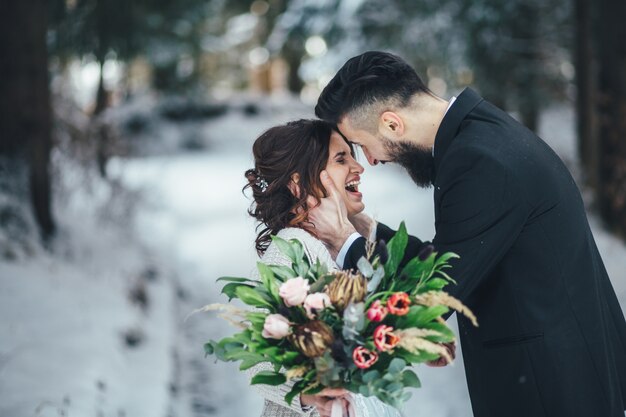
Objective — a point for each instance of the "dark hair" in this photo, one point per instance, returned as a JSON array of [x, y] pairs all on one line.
[[364, 79], [300, 147]]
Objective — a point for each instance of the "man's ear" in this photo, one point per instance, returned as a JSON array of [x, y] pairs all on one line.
[[294, 186], [391, 124]]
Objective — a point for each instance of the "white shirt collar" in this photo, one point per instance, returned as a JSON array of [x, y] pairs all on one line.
[[449, 105]]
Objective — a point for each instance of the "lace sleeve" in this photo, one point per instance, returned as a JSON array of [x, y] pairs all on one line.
[[276, 394]]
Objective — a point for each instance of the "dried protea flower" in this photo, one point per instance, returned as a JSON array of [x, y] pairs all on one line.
[[347, 288], [312, 338]]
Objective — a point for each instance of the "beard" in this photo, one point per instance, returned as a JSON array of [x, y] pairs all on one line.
[[417, 160]]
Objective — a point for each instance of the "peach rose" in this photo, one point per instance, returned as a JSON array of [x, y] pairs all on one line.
[[315, 302], [294, 291], [276, 326]]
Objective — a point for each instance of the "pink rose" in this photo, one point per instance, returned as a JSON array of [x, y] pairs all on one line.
[[316, 301], [377, 311], [275, 326], [294, 291]]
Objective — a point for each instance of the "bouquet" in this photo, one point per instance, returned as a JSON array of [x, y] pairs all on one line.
[[342, 329]]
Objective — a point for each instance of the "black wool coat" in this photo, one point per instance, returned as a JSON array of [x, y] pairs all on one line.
[[552, 335]]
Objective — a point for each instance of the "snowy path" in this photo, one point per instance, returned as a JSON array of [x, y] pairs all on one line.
[[198, 223]]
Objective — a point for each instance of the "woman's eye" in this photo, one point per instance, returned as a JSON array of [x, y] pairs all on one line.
[[341, 161]]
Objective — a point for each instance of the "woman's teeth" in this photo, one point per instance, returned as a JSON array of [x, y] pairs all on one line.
[[353, 186]]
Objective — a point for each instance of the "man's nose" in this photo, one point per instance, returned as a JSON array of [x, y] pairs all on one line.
[[372, 161]]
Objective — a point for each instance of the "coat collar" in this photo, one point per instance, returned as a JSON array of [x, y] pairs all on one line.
[[464, 103]]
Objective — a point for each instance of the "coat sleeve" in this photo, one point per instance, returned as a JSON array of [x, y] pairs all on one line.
[[480, 212]]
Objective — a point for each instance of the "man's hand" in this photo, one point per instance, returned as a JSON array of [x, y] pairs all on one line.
[[442, 361], [323, 400], [363, 224], [330, 217]]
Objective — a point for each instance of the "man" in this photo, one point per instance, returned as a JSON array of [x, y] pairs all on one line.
[[552, 336]]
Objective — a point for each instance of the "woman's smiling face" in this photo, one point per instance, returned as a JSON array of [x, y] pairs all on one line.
[[345, 172]]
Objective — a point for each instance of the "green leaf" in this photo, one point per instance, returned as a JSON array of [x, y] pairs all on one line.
[[236, 279], [446, 276], [269, 282], [268, 378], [396, 247], [414, 269], [230, 290], [209, 348], [319, 285], [410, 379], [251, 297], [297, 388], [416, 357], [287, 248], [443, 259], [249, 363], [396, 365], [371, 376], [283, 272], [434, 284], [313, 390], [429, 314], [395, 387], [446, 334]]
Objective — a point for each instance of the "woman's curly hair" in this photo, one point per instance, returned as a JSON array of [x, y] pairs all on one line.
[[299, 147]]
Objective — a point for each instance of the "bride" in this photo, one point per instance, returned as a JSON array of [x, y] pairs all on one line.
[[288, 160]]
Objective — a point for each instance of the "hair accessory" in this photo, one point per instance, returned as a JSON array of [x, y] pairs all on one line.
[[261, 183]]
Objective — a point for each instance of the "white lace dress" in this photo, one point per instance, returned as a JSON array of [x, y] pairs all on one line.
[[275, 405]]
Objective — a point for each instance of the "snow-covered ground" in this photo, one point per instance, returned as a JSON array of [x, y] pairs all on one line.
[[68, 321]]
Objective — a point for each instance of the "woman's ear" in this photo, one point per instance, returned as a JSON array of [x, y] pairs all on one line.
[[294, 186]]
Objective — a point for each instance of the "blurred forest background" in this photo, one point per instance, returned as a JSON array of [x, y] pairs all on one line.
[[125, 129], [92, 55]]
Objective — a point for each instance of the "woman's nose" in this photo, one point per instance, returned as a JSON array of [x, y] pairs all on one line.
[[358, 168]]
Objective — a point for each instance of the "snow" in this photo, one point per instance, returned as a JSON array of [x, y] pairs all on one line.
[[179, 224]]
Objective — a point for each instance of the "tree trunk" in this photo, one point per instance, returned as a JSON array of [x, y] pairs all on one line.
[[612, 114], [585, 97], [293, 53], [25, 124]]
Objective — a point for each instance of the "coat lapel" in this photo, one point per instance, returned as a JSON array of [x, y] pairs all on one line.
[[464, 103]]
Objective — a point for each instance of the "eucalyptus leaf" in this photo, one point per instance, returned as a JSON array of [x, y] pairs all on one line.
[[371, 376], [395, 387], [377, 277], [396, 365], [365, 267], [410, 379]]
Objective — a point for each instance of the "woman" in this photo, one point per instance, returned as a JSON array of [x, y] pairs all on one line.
[[288, 161]]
